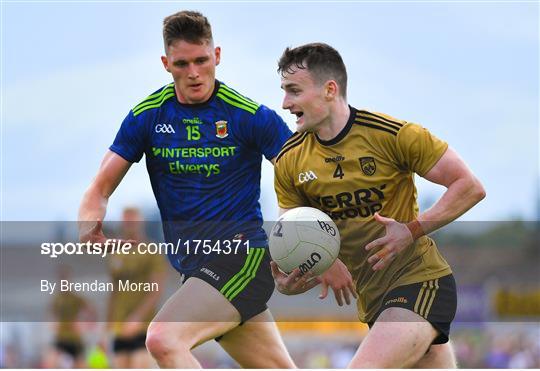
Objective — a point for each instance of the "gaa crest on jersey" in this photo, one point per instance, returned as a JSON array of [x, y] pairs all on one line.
[[221, 129], [368, 165]]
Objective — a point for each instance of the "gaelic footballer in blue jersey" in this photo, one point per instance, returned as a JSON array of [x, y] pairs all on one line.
[[204, 163], [203, 144]]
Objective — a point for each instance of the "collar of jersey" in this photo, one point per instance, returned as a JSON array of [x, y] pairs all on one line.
[[193, 105], [343, 131]]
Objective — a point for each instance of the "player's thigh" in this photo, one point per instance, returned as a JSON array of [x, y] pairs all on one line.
[[399, 338], [195, 313], [257, 343], [438, 356]]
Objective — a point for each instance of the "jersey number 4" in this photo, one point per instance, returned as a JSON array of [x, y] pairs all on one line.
[[339, 172]]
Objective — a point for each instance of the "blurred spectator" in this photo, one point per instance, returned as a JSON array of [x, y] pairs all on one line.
[[130, 312], [68, 309]]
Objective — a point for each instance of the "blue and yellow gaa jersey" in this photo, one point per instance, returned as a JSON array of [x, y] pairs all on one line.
[[204, 162]]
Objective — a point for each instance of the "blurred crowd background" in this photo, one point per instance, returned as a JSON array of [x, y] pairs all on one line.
[[483, 345]]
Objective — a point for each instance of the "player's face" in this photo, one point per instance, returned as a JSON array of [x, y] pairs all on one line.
[[193, 67], [305, 98]]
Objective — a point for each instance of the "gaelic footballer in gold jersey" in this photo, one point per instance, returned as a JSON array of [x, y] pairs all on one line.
[[361, 166]]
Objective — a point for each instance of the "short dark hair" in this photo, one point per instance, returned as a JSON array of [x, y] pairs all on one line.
[[186, 25], [323, 62]]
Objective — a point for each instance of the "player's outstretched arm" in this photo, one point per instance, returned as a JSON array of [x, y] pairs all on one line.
[[94, 203], [463, 191]]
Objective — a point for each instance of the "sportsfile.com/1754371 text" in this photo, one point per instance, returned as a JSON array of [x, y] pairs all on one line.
[[114, 246]]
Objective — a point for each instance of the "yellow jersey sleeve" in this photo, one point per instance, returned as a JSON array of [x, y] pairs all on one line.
[[287, 194], [418, 149]]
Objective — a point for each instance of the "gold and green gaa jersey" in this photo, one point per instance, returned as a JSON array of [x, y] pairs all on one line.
[[369, 167]]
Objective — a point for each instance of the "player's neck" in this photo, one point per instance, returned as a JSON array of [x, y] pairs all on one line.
[[336, 121], [184, 99]]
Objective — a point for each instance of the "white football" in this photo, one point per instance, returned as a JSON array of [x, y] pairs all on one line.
[[304, 238]]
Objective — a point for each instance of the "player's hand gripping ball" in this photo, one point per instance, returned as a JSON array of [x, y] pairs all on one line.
[[304, 238]]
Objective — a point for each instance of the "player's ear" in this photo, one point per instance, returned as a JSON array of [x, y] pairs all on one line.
[[217, 51], [330, 90], [165, 62]]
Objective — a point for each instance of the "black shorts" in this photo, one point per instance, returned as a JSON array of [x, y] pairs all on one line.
[[74, 349], [435, 300], [129, 344], [244, 279]]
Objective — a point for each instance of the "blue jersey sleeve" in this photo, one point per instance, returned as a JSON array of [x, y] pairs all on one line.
[[131, 139], [269, 132]]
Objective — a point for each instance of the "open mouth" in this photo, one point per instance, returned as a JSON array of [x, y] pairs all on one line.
[[298, 115]]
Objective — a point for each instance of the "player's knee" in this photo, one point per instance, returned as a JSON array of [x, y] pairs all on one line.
[[157, 341], [161, 342]]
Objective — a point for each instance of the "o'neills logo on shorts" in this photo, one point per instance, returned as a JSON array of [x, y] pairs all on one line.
[[401, 299], [210, 273]]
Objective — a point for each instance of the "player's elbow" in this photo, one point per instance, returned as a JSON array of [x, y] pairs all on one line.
[[481, 193], [478, 192]]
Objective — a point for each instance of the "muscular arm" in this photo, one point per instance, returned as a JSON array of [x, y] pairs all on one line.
[[464, 191], [94, 203]]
